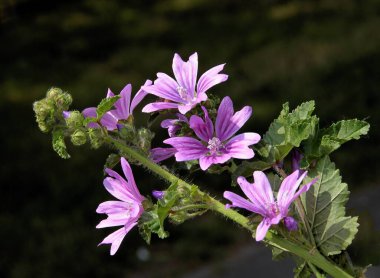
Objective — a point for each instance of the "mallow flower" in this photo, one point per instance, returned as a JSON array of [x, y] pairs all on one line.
[[261, 199], [124, 212], [123, 107], [184, 92], [216, 145]]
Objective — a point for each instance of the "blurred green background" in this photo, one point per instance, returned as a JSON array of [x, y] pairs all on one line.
[[275, 51]]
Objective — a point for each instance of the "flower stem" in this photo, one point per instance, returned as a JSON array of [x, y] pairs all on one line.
[[309, 255]]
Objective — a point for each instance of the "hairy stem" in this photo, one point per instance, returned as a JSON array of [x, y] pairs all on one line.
[[310, 255]]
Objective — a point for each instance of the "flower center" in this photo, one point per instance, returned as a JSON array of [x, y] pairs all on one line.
[[128, 209], [273, 209], [184, 94], [215, 145]]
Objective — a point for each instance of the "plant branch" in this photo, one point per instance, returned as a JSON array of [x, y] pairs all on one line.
[[310, 255]]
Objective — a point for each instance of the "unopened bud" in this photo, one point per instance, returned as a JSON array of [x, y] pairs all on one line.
[[61, 99], [158, 194], [290, 223], [78, 138], [75, 119], [96, 138], [145, 138], [44, 110]]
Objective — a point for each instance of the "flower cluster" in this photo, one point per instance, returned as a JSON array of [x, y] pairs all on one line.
[[210, 139]]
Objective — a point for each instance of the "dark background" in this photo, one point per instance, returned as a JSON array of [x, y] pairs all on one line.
[[275, 51]]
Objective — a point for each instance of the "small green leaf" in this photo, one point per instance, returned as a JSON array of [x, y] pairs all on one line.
[[105, 105], [325, 203], [288, 131], [59, 145], [329, 139]]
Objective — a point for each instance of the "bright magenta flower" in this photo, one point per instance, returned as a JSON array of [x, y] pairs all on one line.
[[183, 92], [261, 199], [124, 212]]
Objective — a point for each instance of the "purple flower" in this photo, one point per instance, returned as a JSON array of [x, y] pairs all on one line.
[[123, 107], [261, 199], [173, 125], [160, 154], [184, 92], [216, 147], [125, 212], [108, 120]]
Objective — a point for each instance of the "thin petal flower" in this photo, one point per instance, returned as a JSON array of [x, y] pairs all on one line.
[[183, 92], [216, 145], [123, 108], [160, 154], [124, 212], [261, 200]]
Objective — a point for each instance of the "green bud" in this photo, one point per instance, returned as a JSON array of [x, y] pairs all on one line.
[[61, 99], [128, 132], [75, 120], [78, 138], [145, 137], [96, 137], [44, 110]]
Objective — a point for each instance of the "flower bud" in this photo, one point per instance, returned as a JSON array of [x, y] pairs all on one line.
[[158, 194], [78, 138], [96, 138], [75, 119], [145, 137], [61, 99], [290, 223], [44, 110]]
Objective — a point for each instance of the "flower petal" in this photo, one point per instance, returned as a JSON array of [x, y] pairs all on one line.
[[118, 189], [131, 184], [287, 189], [303, 189], [238, 201], [117, 237], [211, 78], [206, 161], [203, 129], [164, 87], [184, 108], [262, 186], [156, 106], [139, 96], [109, 121], [160, 154], [230, 125], [225, 113], [122, 104], [262, 229], [237, 146], [188, 148], [250, 190], [186, 72]]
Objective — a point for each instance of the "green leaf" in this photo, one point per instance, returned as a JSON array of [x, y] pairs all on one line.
[[325, 203], [288, 131], [105, 105], [329, 139], [59, 145], [152, 220]]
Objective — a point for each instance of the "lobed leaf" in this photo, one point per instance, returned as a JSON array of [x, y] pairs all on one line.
[[329, 139], [325, 203]]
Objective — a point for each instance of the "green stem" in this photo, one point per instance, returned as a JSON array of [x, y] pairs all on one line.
[[309, 255]]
